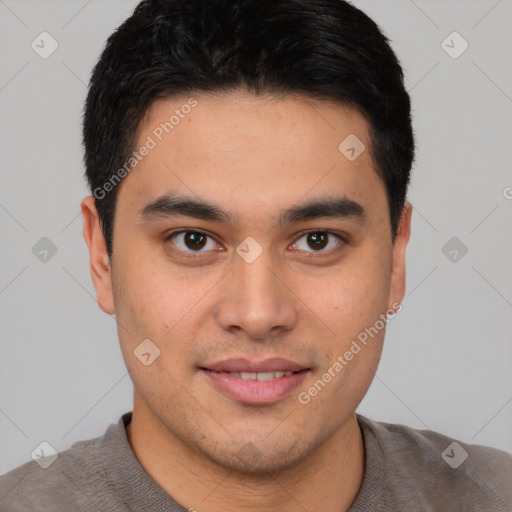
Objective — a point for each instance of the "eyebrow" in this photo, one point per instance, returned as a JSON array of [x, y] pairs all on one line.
[[170, 205]]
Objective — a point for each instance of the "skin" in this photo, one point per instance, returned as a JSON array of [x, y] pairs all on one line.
[[253, 157]]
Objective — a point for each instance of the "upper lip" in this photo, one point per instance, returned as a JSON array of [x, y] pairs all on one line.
[[274, 364]]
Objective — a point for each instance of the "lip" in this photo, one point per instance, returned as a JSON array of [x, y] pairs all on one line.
[[275, 364], [254, 391]]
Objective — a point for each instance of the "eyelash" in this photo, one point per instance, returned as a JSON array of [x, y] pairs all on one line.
[[196, 254]]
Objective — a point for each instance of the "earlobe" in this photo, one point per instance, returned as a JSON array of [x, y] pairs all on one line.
[[397, 287], [99, 262]]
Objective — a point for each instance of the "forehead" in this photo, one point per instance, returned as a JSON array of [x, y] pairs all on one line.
[[258, 151], [242, 121]]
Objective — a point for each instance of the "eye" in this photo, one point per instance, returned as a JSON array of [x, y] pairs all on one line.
[[192, 241], [319, 241], [196, 241]]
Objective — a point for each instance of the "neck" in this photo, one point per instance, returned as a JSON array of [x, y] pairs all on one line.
[[330, 476]]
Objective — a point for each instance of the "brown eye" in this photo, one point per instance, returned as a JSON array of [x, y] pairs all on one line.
[[318, 241], [192, 241]]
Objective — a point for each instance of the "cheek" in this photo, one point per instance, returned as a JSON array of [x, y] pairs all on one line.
[[357, 307], [153, 306], [159, 302], [352, 298], [147, 292]]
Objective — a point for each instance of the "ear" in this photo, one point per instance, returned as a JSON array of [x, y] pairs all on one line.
[[98, 257], [397, 287]]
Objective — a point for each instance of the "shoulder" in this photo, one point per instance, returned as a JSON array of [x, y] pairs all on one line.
[[431, 445], [427, 466], [49, 483]]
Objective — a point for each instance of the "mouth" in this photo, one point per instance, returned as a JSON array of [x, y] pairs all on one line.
[[261, 376], [247, 382]]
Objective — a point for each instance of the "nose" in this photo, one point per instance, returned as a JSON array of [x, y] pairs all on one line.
[[257, 300]]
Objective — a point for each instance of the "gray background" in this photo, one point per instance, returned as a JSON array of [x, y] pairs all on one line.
[[447, 359]]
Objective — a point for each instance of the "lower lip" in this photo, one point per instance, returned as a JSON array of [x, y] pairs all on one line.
[[254, 391]]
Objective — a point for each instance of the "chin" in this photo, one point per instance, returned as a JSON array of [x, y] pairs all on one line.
[[259, 458]]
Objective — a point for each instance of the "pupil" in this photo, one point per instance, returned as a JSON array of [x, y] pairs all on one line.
[[195, 240], [317, 240]]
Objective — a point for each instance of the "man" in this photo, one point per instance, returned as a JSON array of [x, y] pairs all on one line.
[[248, 163]]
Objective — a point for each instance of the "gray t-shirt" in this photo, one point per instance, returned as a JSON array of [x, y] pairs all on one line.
[[405, 469]]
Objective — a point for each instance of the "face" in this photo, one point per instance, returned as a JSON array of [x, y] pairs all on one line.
[[254, 255]]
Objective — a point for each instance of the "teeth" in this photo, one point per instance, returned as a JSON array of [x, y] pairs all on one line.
[[259, 376], [266, 376]]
